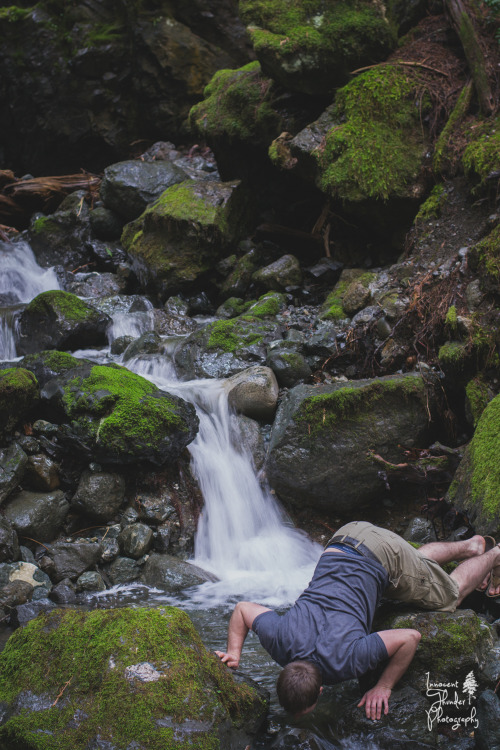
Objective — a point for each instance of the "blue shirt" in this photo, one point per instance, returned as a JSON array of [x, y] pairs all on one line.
[[330, 622]]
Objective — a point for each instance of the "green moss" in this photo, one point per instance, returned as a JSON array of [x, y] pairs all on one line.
[[68, 305], [482, 155], [126, 404], [451, 319], [442, 151], [57, 361], [484, 447], [238, 105], [432, 207], [42, 224], [13, 13], [267, 306], [452, 353], [18, 394], [180, 202], [485, 256], [324, 411], [376, 148], [231, 335], [103, 34], [332, 308], [86, 655], [477, 395]]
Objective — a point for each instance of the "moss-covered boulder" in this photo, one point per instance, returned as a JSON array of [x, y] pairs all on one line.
[[226, 347], [179, 238], [452, 645], [119, 679], [49, 363], [476, 486], [323, 436], [19, 395], [238, 116], [350, 294], [119, 417], [310, 46], [484, 259], [481, 158], [60, 320]]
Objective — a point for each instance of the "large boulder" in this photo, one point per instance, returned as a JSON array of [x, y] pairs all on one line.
[[475, 489], [312, 47], [19, 395], [63, 560], [172, 575], [37, 515], [323, 435], [99, 494], [180, 237], [45, 365], [253, 392], [13, 463], [119, 417], [129, 186], [59, 320], [133, 678], [63, 237]]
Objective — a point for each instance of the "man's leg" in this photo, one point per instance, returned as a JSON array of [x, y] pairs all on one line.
[[470, 573], [443, 552]]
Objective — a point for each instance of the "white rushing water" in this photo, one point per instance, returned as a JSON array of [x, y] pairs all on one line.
[[244, 536], [21, 278]]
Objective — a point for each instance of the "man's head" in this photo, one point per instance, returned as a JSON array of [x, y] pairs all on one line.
[[299, 686]]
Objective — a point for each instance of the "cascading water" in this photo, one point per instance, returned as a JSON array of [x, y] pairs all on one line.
[[21, 279], [243, 535]]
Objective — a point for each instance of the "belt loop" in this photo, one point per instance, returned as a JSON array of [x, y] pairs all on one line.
[[343, 537], [356, 545]]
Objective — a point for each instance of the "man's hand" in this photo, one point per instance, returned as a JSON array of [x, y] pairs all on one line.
[[374, 700], [230, 659]]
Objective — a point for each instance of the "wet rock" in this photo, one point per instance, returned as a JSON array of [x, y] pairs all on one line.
[[99, 494], [293, 738], [64, 592], [110, 549], [97, 284], [135, 540], [13, 462], [9, 545], [29, 444], [357, 295], [225, 347], [171, 574], [90, 581], [248, 435], [42, 473], [123, 570], [237, 282], [105, 223], [118, 417], [319, 451], [24, 613], [69, 559], [110, 256], [15, 593], [19, 395], [283, 274], [253, 392], [178, 239], [129, 186], [289, 365], [46, 365], [420, 530], [59, 320], [487, 735], [28, 573], [173, 325], [63, 237], [148, 343], [151, 681], [37, 515]]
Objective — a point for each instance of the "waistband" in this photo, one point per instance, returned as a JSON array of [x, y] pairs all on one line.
[[348, 541], [344, 548]]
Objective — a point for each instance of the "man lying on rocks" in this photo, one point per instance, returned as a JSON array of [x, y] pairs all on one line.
[[325, 637]]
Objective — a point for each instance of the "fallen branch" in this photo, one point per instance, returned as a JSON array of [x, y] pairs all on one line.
[[401, 62], [66, 684]]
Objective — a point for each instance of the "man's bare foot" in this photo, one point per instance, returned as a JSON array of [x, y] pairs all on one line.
[[494, 583], [484, 583], [478, 545]]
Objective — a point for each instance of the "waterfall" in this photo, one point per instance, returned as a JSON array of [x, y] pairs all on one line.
[[21, 279], [244, 536]]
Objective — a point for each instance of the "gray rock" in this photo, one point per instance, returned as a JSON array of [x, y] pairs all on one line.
[[283, 274], [110, 549], [69, 559], [13, 462], [90, 581], [123, 570], [9, 545], [135, 540], [171, 574], [31, 574], [99, 494], [97, 284], [105, 224], [129, 186], [253, 392], [487, 734], [248, 435], [420, 530], [148, 343], [64, 592], [319, 451], [41, 473], [289, 366], [63, 237], [24, 613], [37, 515]]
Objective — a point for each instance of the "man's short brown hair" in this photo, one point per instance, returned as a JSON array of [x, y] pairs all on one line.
[[298, 686]]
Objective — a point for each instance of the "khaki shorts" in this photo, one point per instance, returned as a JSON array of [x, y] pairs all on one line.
[[412, 577]]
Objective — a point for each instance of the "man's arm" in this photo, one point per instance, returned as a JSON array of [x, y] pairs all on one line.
[[401, 645], [240, 623]]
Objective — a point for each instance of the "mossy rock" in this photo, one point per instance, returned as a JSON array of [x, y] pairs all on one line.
[[482, 155], [484, 259], [19, 395], [179, 238], [48, 364], [475, 489], [60, 320], [226, 347], [433, 205], [452, 644], [310, 46], [323, 437], [375, 148], [354, 279], [121, 678], [477, 397], [120, 417]]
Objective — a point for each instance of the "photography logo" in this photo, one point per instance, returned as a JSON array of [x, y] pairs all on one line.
[[452, 704]]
